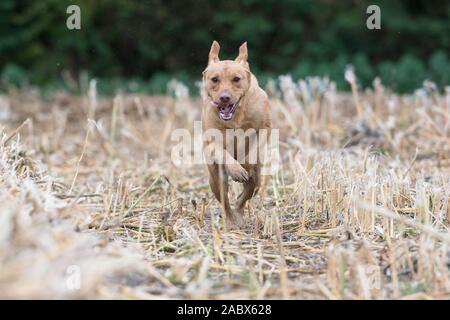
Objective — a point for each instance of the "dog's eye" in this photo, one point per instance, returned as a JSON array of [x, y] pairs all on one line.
[[215, 79], [236, 79]]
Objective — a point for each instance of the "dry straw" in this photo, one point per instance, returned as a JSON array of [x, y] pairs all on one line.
[[359, 209]]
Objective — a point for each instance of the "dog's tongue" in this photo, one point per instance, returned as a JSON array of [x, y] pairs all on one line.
[[225, 109]]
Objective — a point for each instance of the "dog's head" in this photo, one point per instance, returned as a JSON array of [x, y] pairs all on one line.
[[226, 82]]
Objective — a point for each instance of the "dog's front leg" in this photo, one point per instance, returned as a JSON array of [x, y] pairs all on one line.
[[251, 187], [235, 170], [216, 154], [218, 181], [221, 165]]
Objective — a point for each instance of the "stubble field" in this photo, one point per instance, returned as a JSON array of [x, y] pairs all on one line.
[[358, 210]]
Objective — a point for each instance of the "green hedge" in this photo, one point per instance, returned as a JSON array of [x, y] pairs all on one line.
[[138, 45]]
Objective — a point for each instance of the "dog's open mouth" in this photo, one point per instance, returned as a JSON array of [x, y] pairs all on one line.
[[226, 111]]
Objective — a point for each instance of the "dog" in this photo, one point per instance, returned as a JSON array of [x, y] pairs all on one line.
[[233, 101]]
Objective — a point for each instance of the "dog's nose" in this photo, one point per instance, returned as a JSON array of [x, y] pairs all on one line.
[[224, 98]]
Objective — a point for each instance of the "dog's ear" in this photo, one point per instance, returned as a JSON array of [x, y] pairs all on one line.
[[243, 54], [214, 52]]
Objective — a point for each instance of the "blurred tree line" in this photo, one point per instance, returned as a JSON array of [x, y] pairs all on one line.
[[140, 45]]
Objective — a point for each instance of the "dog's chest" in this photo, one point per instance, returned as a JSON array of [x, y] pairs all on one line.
[[239, 142]]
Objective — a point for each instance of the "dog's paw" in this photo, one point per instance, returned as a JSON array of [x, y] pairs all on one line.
[[235, 221], [237, 173]]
